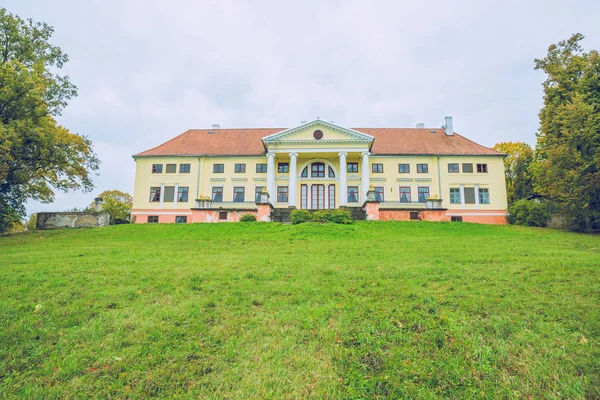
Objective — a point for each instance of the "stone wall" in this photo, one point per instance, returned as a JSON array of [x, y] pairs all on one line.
[[55, 220]]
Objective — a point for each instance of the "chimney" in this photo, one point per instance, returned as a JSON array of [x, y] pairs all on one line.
[[421, 125], [448, 126], [215, 126]]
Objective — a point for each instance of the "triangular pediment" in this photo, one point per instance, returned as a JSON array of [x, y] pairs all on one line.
[[318, 131]]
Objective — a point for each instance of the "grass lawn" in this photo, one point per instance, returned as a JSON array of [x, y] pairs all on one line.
[[369, 310]]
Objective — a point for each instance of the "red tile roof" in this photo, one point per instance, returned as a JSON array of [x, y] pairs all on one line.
[[248, 142]]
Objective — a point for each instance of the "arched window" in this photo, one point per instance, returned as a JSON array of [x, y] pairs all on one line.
[[317, 170]]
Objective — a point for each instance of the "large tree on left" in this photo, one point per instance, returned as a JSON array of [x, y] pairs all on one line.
[[37, 155]]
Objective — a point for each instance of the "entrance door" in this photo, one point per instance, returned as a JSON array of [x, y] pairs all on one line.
[[318, 197]]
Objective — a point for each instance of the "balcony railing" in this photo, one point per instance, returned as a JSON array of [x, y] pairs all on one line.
[[397, 204], [228, 205]]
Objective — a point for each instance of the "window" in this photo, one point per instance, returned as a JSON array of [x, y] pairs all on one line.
[[330, 172], [257, 191], [282, 194], [482, 168], [217, 194], [414, 215], [377, 168], [404, 194], [331, 197], [454, 196], [157, 168], [423, 194], [181, 219], [303, 197], [453, 168], [182, 194], [467, 168], [469, 195], [223, 215], [422, 168], [352, 194], [169, 195], [403, 168], [240, 168], [218, 168], [261, 168], [304, 173], [171, 168], [184, 168], [352, 167], [239, 193], [283, 167], [456, 219], [484, 196], [317, 170], [379, 193], [154, 194], [152, 219]]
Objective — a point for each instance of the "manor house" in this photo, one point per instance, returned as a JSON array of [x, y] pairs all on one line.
[[211, 175]]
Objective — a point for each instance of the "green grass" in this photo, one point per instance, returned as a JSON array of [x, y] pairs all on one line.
[[369, 310]]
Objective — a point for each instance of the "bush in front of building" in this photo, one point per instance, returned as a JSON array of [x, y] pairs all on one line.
[[248, 218], [528, 213], [340, 217], [300, 216], [322, 216]]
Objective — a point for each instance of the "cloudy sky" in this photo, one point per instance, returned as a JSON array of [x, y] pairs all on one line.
[[149, 70]]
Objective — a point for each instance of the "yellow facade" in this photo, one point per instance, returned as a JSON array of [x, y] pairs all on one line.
[[202, 176], [204, 179]]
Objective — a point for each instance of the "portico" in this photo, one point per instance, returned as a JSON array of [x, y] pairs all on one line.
[[311, 160]]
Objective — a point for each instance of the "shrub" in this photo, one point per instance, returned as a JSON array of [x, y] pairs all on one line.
[[248, 218], [300, 216], [340, 217], [335, 216], [320, 216], [528, 213]]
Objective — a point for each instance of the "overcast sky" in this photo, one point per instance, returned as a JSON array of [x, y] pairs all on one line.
[[147, 71]]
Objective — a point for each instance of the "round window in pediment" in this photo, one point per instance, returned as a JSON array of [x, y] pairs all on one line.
[[318, 134]]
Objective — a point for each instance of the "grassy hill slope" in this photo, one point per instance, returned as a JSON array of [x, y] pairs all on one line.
[[413, 310]]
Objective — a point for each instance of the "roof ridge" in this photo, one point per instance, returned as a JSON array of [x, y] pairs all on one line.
[[472, 141], [230, 129], [162, 144]]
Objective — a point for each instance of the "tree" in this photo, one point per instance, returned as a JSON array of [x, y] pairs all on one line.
[[37, 155], [16, 227], [529, 213], [567, 164], [117, 204], [31, 224], [519, 179]]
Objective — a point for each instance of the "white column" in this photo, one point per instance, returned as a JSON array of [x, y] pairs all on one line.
[[293, 185], [175, 195], [343, 198], [162, 195], [271, 177], [309, 197], [364, 179], [476, 189], [462, 196]]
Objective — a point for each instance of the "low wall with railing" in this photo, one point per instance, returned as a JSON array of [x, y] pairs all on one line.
[[401, 206]]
